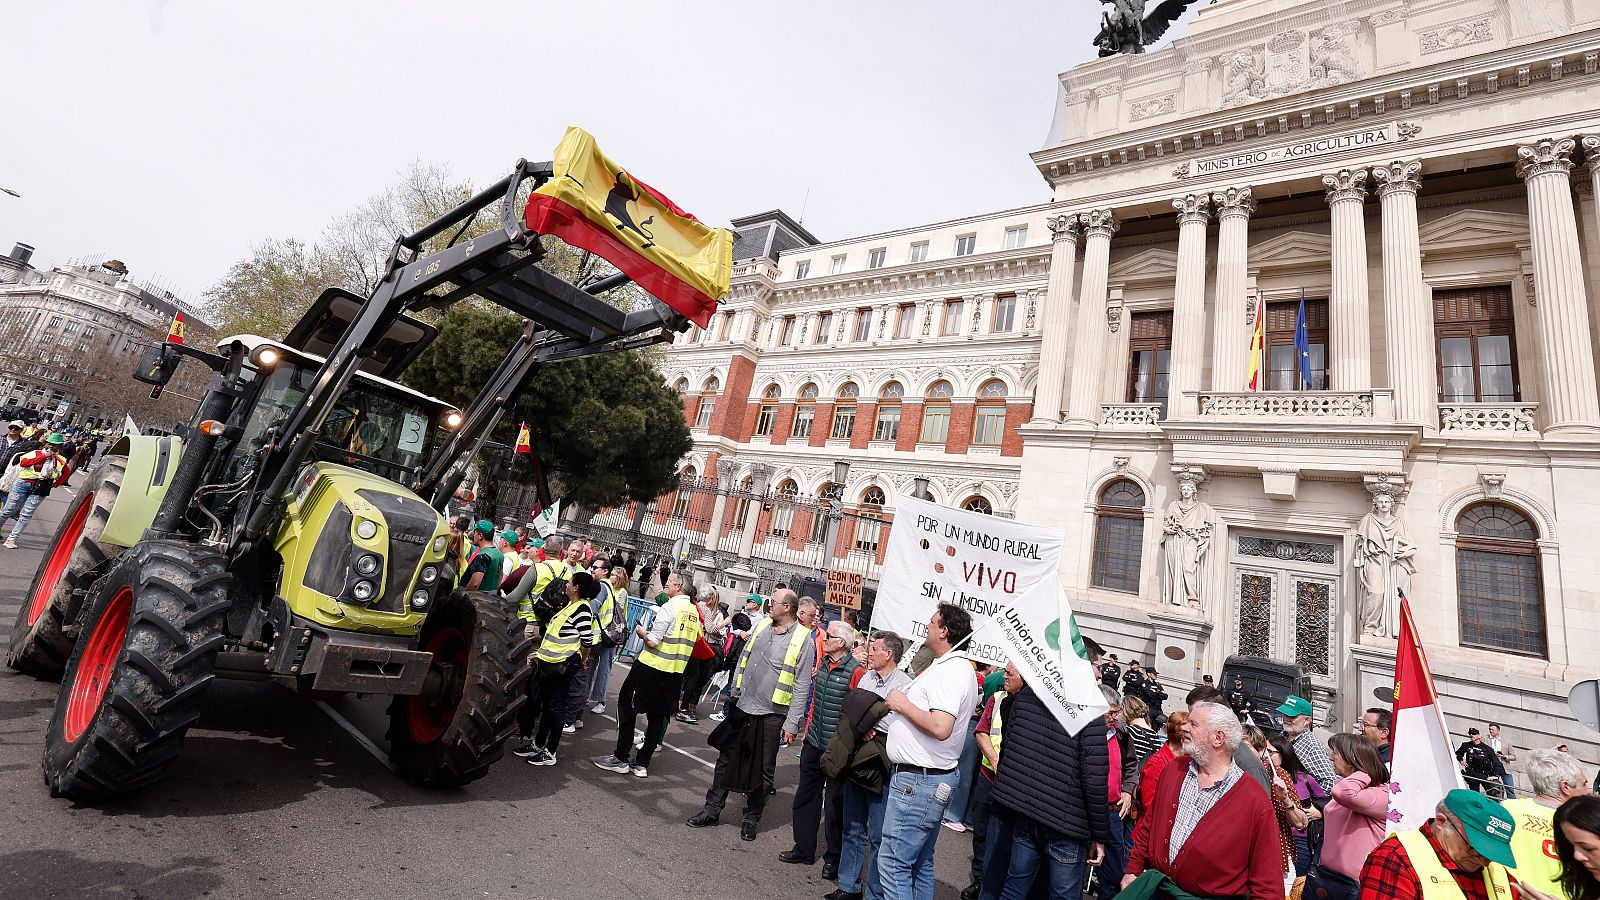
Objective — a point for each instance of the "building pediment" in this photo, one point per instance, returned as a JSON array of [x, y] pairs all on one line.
[[1293, 250], [1153, 264], [1473, 229]]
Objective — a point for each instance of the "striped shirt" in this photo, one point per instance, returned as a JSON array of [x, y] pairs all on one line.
[[1195, 801], [1145, 742], [579, 626]]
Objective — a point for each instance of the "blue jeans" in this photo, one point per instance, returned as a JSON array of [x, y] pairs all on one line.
[[911, 816], [1116, 856], [957, 810], [863, 830], [1037, 849], [20, 505], [600, 662]]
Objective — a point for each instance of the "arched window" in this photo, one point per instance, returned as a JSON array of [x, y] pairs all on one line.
[[979, 504], [685, 494], [873, 496], [681, 386], [783, 507], [887, 427], [1498, 586], [989, 419], [844, 412], [768, 414], [1118, 537], [708, 402], [869, 521], [805, 414], [936, 413]]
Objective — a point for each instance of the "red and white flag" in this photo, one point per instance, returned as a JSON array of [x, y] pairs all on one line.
[[1424, 767]]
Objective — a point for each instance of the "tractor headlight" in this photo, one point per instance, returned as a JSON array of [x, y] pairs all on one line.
[[429, 574], [419, 599], [367, 564], [438, 544], [366, 529], [363, 590]]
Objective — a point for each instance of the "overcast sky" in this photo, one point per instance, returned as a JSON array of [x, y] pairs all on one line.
[[173, 135]]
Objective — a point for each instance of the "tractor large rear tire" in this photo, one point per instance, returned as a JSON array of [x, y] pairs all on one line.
[[47, 623], [482, 658], [134, 683]]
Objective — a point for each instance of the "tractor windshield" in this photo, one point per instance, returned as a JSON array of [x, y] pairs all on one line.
[[373, 426]]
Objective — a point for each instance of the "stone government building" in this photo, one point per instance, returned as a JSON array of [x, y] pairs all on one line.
[[1423, 174]]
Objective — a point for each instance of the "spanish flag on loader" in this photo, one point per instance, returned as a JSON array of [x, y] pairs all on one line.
[[595, 204]]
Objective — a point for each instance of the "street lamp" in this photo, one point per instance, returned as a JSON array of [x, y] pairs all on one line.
[[919, 488], [830, 540]]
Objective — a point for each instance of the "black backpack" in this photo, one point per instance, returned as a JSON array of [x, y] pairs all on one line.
[[549, 601]]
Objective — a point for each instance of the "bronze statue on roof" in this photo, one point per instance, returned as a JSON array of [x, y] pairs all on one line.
[[1125, 28]]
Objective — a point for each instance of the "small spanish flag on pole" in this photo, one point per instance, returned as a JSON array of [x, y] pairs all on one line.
[[1258, 343], [524, 440], [175, 333], [594, 204]]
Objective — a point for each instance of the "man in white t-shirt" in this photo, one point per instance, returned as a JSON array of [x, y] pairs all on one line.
[[925, 742]]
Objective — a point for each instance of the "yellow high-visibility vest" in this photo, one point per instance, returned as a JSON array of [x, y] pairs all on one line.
[[783, 694], [555, 648], [672, 654], [1437, 882], [996, 731], [1534, 844]]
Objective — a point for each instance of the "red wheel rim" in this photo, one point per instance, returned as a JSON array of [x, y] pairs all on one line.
[[60, 555], [95, 666], [426, 718]]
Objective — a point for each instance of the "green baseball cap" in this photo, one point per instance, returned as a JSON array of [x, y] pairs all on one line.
[[509, 536], [484, 526], [1485, 824], [55, 438], [1295, 706]]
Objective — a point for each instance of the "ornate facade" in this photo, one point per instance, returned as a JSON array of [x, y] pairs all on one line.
[[1396, 199]]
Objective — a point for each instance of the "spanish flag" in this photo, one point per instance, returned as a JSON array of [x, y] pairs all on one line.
[[1258, 343], [594, 204], [524, 441], [175, 333]]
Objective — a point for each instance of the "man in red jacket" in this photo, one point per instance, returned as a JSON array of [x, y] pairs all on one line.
[[1212, 831]]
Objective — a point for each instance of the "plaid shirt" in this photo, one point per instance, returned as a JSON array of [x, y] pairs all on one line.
[[1314, 757], [1194, 802], [1388, 875]]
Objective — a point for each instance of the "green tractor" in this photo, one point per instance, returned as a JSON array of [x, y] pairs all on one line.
[[293, 532]]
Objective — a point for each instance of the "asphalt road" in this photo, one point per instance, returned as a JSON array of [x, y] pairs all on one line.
[[279, 796]]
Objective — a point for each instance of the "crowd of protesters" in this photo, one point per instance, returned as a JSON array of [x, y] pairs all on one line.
[[35, 460]]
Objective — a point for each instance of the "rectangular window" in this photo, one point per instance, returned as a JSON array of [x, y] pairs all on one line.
[[988, 425], [950, 323], [863, 324], [765, 420], [786, 337], [906, 315], [919, 252], [836, 266], [887, 428], [1149, 358], [966, 244], [1016, 237], [1477, 346], [875, 258], [824, 325], [844, 422], [708, 405], [1005, 313], [804, 416], [725, 326], [802, 269], [935, 425], [1283, 373]]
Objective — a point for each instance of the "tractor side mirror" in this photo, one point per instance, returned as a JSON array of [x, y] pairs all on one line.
[[157, 364]]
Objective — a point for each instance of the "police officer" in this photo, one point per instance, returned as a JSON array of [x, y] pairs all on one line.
[[1110, 671], [1478, 763]]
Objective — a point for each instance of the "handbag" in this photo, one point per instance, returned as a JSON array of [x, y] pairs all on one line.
[[8, 481], [1323, 883]]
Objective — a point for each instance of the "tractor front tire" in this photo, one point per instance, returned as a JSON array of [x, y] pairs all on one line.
[[134, 683], [481, 662], [47, 623]]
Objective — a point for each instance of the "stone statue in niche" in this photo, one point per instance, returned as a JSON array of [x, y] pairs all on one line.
[[1243, 78], [1332, 60], [1383, 563], [1187, 528]]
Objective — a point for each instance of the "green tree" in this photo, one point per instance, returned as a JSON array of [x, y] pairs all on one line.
[[267, 293], [607, 427]]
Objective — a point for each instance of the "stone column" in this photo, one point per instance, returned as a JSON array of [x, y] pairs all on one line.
[[760, 474], [1569, 401], [1188, 301], [1407, 305], [1230, 345], [1349, 346], [1065, 232], [1088, 358], [719, 507]]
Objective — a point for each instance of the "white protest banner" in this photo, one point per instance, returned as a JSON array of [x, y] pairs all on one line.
[[545, 522], [1003, 572]]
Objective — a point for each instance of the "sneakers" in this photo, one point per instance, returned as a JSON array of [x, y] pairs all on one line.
[[717, 716], [955, 826], [598, 708], [527, 750], [613, 765], [702, 819], [638, 740], [687, 718], [542, 758], [569, 729], [639, 771], [9, 544]]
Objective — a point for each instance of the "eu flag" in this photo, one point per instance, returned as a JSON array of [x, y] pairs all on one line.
[[1302, 344]]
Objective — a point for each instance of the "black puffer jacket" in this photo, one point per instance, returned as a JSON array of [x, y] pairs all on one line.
[[1050, 776]]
